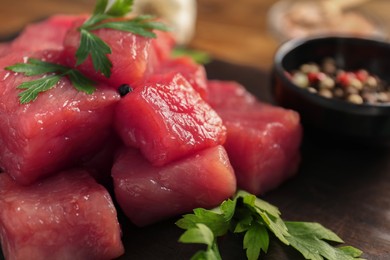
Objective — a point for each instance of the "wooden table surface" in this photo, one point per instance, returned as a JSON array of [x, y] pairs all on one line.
[[236, 32]]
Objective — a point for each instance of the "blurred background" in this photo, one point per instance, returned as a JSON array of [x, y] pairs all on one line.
[[244, 32]]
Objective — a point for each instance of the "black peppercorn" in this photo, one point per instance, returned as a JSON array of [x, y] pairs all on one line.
[[124, 89]]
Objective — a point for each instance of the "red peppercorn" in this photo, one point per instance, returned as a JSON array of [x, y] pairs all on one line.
[[344, 78], [312, 77], [315, 77], [362, 75]]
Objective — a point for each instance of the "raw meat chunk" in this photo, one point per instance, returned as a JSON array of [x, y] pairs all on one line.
[[262, 141], [56, 130], [194, 73], [163, 45], [45, 35], [167, 119], [230, 96], [66, 216], [129, 57], [148, 194]]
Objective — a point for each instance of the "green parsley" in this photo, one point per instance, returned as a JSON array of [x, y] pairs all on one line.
[[255, 218], [90, 45], [102, 17], [52, 75]]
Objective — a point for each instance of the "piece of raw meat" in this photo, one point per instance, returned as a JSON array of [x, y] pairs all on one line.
[[130, 55], [262, 141], [44, 35], [167, 119], [54, 131], [148, 194], [194, 73], [163, 45], [66, 216]]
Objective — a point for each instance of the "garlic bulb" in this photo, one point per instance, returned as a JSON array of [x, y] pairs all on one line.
[[180, 15]]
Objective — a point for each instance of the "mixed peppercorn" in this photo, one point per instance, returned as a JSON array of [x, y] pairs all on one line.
[[328, 80]]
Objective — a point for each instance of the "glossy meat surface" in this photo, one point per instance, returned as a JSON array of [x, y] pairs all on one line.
[[194, 73], [130, 55], [54, 131], [167, 119], [148, 194], [263, 141], [45, 35], [67, 216]]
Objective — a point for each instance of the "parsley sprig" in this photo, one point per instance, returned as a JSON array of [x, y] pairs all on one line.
[[52, 75], [91, 45], [102, 17], [255, 218]]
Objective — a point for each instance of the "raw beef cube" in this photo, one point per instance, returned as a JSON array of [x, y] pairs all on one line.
[[48, 34], [54, 131], [194, 73], [148, 194], [230, 96], [129, 57], [163, 45], [167, 119], [263, 141], [66, 216]]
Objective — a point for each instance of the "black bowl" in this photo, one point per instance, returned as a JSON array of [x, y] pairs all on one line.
[[329, 117]]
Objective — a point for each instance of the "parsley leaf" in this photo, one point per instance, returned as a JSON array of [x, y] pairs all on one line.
[[92, 45], [308, 238], [35, 67], [269, 214], [120, 8], [199, 57], [141, 25], [100, 7], [255, 240], [52, 73], [216, 222], [80, 82], [34, 87], [351, 251], [102, 17], [255, 218], [202, 234], [117, 8]]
